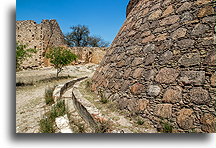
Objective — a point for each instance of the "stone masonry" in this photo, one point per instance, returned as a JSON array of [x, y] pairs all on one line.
[[161, 64], [38, 36], [89, 54], [48, 34]]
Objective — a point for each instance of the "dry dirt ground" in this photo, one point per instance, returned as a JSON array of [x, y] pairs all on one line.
[[30, 103]]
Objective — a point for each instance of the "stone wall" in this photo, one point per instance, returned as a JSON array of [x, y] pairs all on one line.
[[89, 54], [47, 34], [38, 36], [131, 5], [161, 64]]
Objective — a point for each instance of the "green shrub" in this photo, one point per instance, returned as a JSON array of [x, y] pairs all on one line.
[[103, 99], [167, 128], [103, 127], [57, 110], [46, 125], [49, 96], [60, 57], [22, 53], [140, 122]]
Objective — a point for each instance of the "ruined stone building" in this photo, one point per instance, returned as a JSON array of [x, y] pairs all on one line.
[[38, 36], [48, 34], [161, 64]]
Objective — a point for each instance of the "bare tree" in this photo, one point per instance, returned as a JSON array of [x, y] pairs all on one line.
[[80, 37]]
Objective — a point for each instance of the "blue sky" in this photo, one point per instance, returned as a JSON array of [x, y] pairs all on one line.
[[103, 17]]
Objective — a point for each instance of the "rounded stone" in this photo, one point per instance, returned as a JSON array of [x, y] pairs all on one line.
[[199, 96], [154, 90]]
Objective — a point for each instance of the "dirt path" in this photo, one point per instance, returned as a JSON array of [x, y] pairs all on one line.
[[30, 103]]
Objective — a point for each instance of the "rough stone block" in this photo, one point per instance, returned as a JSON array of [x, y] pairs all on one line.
[[137, 88], [208, 10], [179, 33], [154, 90], [150, 59], [185, 119], [169, 20], [163, 110], [142, 104], [210, 19], [149, 74], [199, 96], [190, 59], [156, 6], [185, 43], [166, 57], [155, 15], [200, 29], [148, 39], [192, 77], [202, 2], [188, 18], [208, 122], [213, 80], [149, 48], [137, 61], [161, 37], [184, 6], [127, 73], [137, 73], [210, 58], [167, 75], [132, 105], [145, 11], [125, 85], [168, 11], [172, 95], [146, 33]]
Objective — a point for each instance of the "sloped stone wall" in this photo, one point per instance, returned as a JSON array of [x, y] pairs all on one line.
[[40, 37], [161, 64]]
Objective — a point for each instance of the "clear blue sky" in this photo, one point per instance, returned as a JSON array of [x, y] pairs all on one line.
[[103, 17]]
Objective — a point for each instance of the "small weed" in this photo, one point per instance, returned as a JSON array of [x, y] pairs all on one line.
[[103, 127], [103, 99], [81, 128], [57, 110], [49, 96], [140, 122], [88, 84], [46, 125], [167, 128], [192, 130]]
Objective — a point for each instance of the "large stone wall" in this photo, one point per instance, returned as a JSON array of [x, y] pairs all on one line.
[[161, 64], [48, 34], [89, 54], [131, 5], [38, 36]]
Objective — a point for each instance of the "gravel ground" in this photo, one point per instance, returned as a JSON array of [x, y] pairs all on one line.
[[30, 103]]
